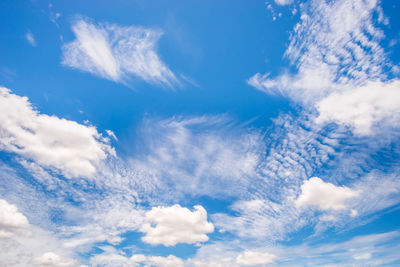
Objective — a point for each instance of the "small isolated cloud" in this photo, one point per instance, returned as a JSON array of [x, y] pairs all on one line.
[[66, 145], [30, 38], [251, 258], [283, 2], [51, 259], [315, 192], [172, 225], [362, 107], [117, 53], [11, 220]]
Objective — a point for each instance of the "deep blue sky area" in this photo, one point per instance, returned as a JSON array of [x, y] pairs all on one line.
[[199, 133]]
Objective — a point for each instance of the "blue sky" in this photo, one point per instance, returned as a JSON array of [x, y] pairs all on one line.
[[199, 133]]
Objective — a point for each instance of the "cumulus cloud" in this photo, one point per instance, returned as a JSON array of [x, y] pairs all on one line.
[[315, 192], [362, 107], [116, 53], [51, 259], [11, 220], [251, 258], [175, 224], [53, 142]]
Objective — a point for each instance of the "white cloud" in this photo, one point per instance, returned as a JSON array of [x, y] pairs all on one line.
[[11, 220], [116, 52], [250, 258], [23, 244], [315, 192], [170, 261], [51, 259], [336, 50], [197, 156], [283, 2], [113, 257], [30, 38], [175, 224], [73, 148], [363, 107]]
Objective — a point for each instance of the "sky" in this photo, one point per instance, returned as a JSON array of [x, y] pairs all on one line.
[[199, 133]]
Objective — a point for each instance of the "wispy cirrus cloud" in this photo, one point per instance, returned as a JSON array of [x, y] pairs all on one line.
[[117, 53]]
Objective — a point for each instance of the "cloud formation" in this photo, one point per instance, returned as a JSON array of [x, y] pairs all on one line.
[[53, 142], [11, 220], [175, 224], [315, 192], [251, 258], [51, 259], [117, 53], [363, 107], [336, 51]]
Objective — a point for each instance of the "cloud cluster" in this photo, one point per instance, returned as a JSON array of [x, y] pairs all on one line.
[[336, 50], [113, 257], [53, 142], [22, 244], [175, 224], [117, 53]]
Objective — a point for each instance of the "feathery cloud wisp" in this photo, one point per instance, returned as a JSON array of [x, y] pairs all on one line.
[[117, 53]]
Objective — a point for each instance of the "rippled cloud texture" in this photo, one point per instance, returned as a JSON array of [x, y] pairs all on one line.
[[260, 153]]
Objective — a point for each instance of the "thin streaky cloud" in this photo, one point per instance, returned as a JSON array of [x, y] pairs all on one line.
[[117, 53], [30, 38]]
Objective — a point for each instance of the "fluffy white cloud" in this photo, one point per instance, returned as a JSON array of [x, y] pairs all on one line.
[[170, 261], [326, 196], [11, 220], [362, 107], [115, 52], [250, 258], [73, 148], [175, 224], [51, 259]]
